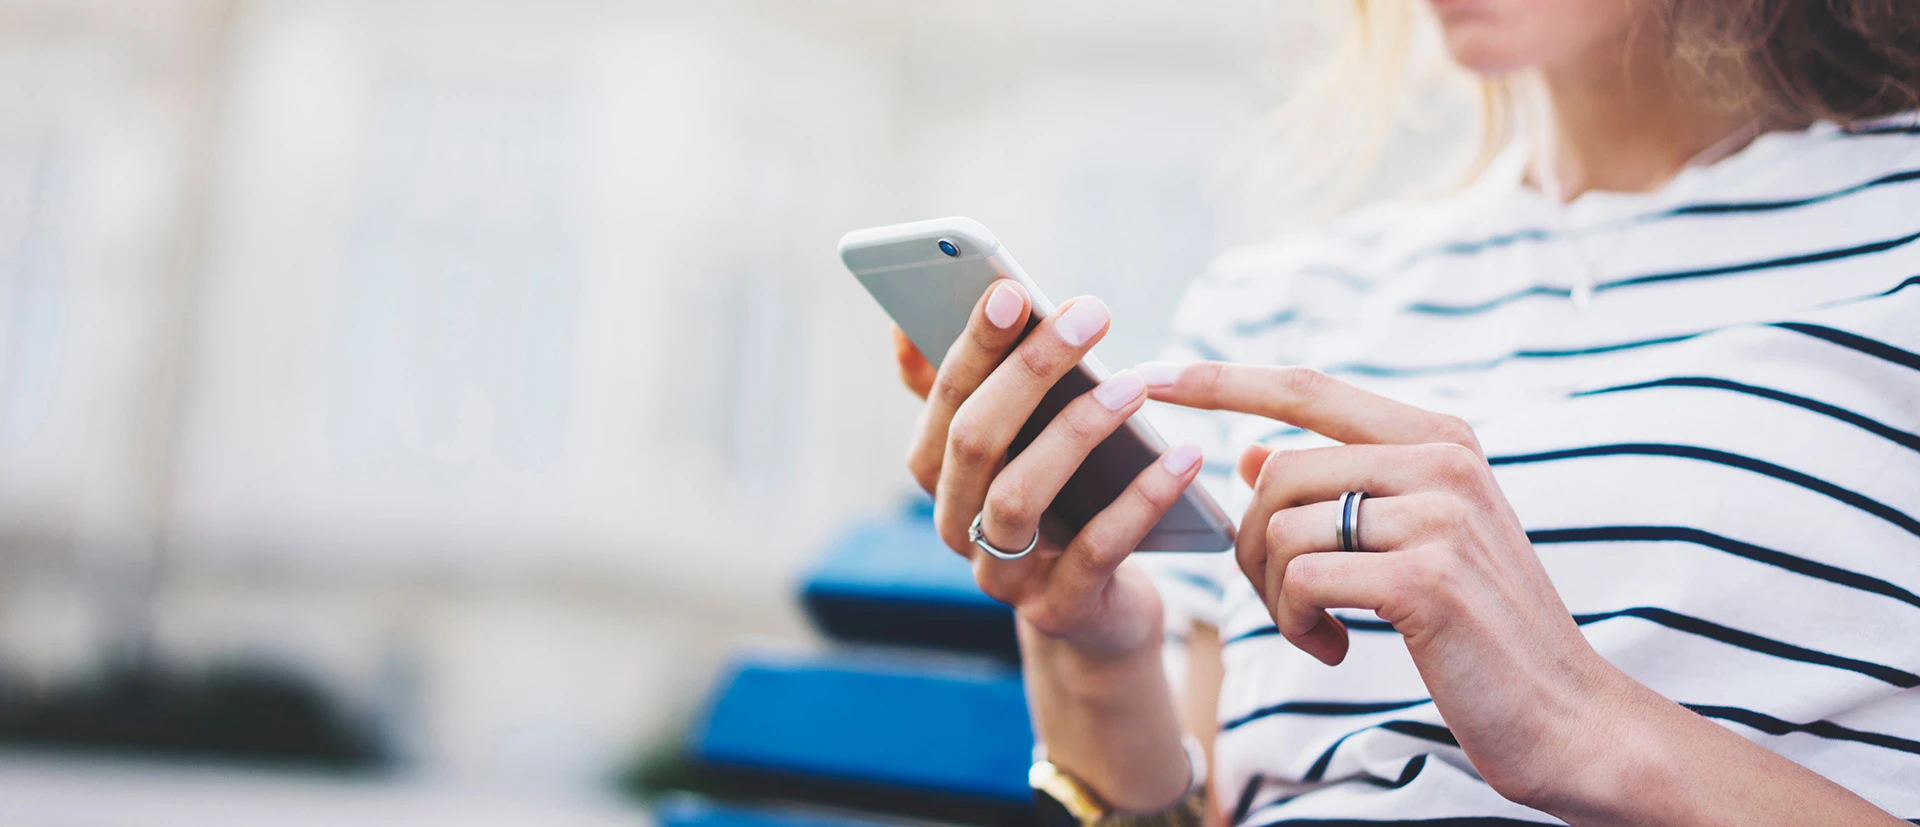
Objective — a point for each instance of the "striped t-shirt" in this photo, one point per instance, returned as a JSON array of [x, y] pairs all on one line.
[[1714, 446]]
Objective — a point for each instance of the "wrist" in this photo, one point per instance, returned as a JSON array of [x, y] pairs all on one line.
[[1089, 669], [1619, 756], [1124, 621], [1106, 718]]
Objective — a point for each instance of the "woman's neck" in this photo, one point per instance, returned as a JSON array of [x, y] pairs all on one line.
[[1621, 119]]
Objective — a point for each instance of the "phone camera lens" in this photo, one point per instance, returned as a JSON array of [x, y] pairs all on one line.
[[949, 248]]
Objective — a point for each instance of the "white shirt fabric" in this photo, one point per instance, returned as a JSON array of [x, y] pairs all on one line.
[[1716, 454]]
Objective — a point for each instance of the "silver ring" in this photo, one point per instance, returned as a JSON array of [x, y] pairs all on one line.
[[1349, 527], [979, 539]]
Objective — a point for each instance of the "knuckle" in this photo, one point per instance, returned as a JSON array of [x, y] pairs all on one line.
[[991, 586], [1083, 426], [1453, 429], [926, 473], [947, 392], [985, 337], [1035, 361], [968, 444], [1303, 573], [1045, 616], [1093, 555], [1279, 528], [1009, 502], [1206, 376], [1276, 470], [1454, 463], [954, 536], [1303, 384], [1158, 494]]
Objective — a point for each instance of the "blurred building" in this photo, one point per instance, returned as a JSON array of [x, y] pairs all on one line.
[[489, 362]]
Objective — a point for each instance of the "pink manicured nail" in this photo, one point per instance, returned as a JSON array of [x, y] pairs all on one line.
[[1181, 458], [1159, 374], [1119, 389], [1082, 321], [1003, 305]]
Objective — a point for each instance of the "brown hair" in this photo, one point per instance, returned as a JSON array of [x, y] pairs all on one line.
[[1806, 60]]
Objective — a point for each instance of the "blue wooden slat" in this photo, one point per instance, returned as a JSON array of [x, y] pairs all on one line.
[[909, 724], [688, 811], [901, 558], [893, 581]]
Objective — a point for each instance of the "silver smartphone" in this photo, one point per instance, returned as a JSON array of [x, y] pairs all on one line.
[[928, 275]]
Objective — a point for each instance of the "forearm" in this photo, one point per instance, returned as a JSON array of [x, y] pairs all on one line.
[[1109, 721], [1652, 761]]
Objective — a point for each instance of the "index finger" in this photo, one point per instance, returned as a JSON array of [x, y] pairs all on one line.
[[915, 371], [1303, 397]]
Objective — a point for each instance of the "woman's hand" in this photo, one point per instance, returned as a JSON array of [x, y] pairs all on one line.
[[1090, 624], [984, 391], [1443, 558]]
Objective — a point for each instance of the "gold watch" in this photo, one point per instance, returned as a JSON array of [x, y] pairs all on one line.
[[1063, 801]]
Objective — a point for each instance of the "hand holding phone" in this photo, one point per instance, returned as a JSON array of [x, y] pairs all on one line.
[[1017, 384]]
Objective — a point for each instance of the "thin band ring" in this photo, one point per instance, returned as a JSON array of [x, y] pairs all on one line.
[[979, 538], [1349, 527]]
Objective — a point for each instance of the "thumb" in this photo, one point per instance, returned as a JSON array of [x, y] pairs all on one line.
[[1250, 461]]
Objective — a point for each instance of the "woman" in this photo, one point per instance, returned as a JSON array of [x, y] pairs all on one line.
[[1636, 414]]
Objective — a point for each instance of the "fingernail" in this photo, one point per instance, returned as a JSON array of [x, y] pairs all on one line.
[[1159, 374], [1181, 458], [1003, 305], [1119, 389], [1082, 321]]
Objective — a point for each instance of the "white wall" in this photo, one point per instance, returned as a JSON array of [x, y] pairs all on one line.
[[490, 360]]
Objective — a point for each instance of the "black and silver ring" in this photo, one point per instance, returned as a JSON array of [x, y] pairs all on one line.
[[1349, 527], [979, 539]]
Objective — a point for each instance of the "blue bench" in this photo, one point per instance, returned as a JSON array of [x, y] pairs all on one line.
[[892, 581], [922, 716]]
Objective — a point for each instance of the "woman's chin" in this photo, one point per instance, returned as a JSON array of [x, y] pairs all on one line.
[[1484, 53]]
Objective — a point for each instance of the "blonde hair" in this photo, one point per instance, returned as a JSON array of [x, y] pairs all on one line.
[[1387, 78]]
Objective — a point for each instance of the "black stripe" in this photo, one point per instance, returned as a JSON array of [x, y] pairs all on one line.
[[1319, 768], [1855, 341], [1678, 534], [1452, 821], [1676, 275], [1786, 204], [1693, 626], [1425, 731], [1429, 732], [1824, 729], [1407, 774], [1320, 708], [1895, 129], [1755, 643], [1722, 208], [1197, 581], [1205, 348], [1264, 631], [1864, 423], [1208, 351], [1254, 327], [1911, 281], [1457, 248], [1809, 482], [1247, 794], [1757, 720], [1530, 353]]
